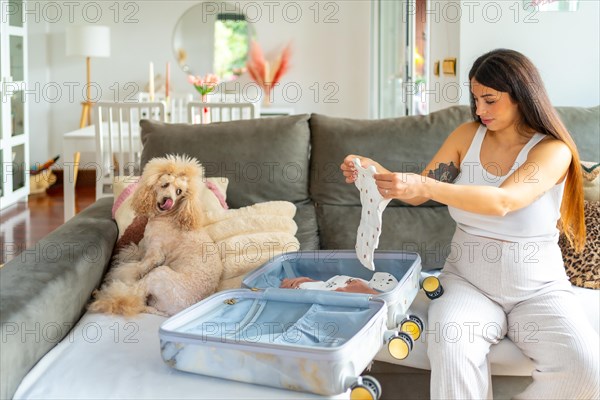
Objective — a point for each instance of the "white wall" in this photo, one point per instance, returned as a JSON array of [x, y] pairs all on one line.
[[334, 52], [444, 33], [563, 45]]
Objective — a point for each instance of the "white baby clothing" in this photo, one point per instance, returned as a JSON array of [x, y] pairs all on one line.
[[382, 281], [337, 281], [373, 204]]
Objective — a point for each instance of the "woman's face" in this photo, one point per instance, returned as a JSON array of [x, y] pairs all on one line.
[[496, 109]]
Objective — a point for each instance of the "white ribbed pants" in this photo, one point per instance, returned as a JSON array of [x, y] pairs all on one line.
[[493, 289]]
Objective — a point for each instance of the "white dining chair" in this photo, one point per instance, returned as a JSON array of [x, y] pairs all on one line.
[[175, 105], [118, 141], [208, 112]]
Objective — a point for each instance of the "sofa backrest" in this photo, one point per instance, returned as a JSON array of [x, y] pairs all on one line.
[[264, 159], [584, 126]]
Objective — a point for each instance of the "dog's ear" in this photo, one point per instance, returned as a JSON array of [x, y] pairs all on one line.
[[143, 199], [190, 216]]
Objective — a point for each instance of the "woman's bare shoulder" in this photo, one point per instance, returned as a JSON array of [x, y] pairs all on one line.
[[466, 131], [550, 147], [462, 137]]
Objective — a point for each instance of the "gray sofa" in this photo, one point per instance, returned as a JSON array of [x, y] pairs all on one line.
[[44, 292]]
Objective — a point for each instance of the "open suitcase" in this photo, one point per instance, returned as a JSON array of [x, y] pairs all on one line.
[[306, 340]]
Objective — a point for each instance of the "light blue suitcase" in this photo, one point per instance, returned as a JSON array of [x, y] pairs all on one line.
[[305, 340]]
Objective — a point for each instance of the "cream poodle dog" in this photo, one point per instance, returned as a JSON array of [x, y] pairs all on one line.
[[170, 269]]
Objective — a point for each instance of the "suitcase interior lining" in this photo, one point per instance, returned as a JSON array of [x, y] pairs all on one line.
[[255, 320]]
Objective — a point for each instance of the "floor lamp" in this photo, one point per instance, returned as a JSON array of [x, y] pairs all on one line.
[[87, 41]]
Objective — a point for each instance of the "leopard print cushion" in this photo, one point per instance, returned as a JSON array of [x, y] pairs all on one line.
[[583, 268]]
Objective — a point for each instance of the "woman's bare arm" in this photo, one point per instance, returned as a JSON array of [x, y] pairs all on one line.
[[547, 163], [443, 167]]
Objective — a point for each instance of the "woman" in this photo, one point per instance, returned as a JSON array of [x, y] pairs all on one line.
[[505, 275]]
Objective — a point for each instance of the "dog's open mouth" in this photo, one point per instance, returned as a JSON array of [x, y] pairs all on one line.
[[166, 204]]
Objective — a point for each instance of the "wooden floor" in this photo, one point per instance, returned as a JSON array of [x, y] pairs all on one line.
[[25, 223]]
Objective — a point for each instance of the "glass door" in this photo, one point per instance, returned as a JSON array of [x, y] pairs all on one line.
[[400, 35], [14, 140]]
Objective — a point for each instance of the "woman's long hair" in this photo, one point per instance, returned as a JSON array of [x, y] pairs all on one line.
[[511, 72]]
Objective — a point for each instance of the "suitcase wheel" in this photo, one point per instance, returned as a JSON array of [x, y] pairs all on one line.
[[432, 287], [400, 345], [366, 388], [413, 326]]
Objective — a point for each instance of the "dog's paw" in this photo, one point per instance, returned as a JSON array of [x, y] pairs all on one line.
[[118, 298]]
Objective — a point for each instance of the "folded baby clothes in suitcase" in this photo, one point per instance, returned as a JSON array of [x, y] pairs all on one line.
[[312, 341], [322, 265]]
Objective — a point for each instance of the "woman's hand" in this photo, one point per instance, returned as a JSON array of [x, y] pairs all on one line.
[[403, 186], [349, 169]]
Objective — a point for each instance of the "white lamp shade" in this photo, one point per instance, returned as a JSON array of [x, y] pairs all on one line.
[[88, 41]]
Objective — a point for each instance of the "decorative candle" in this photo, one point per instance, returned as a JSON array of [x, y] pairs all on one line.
[[151, 82], [167, 80]]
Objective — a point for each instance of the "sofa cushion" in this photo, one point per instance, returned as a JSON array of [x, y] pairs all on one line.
[[264, 159], [308, 230], [44, 290], [112, 357]]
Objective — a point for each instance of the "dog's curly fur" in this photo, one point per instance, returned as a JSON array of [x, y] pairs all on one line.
[[175, 265]]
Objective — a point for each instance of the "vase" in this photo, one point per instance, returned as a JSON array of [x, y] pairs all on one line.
[[205, 111], [267, 94]]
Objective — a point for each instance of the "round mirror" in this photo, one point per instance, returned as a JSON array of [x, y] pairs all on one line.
[[212, 37]]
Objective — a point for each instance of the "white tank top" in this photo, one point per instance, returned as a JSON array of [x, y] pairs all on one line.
[[536, 222]]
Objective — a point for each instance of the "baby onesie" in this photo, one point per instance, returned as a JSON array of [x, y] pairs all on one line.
[[373, 204], [381, 281]]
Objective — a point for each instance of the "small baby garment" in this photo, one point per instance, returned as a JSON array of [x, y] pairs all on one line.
[[333, 283], [381, 281], [373, 204]]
